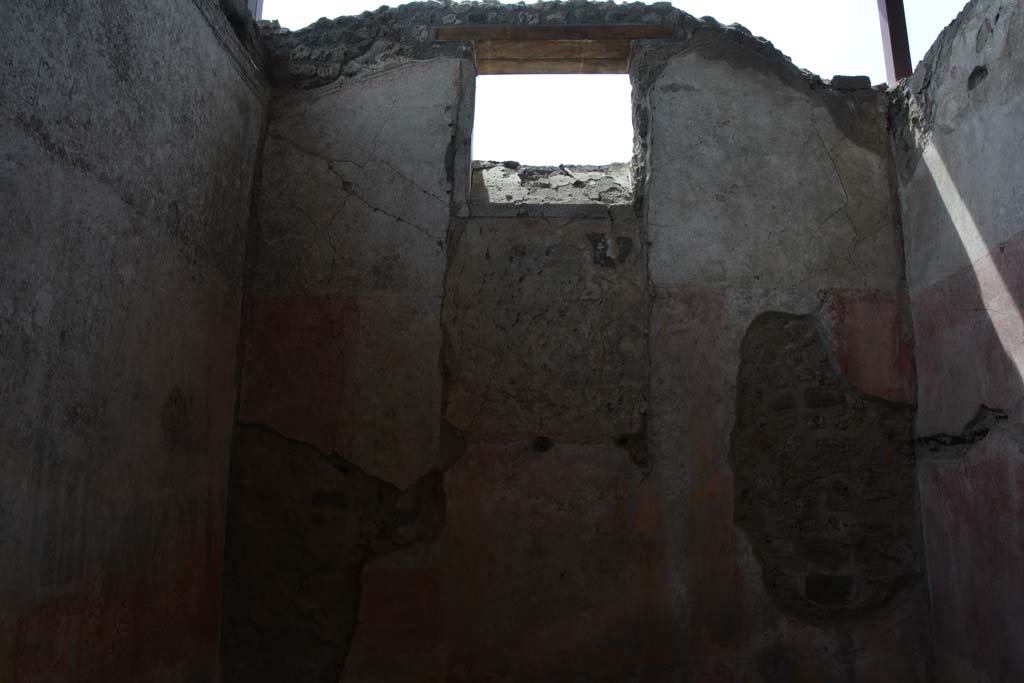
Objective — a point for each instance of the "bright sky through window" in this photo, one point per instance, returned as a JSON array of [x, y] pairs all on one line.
[[828, 38], [547, 120]]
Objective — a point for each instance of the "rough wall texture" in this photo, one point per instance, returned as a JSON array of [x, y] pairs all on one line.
[[824, 477], [352, 46], [512, 183], [958, 135], [542, 546], [545, 320], [545, 328], [129, 135], [569, 365]]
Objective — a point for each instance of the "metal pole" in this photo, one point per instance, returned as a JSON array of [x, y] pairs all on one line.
[[893, 20]]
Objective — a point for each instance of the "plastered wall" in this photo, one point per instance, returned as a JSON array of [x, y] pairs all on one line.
[[957, 134], [750, 414], [128, 143], [520, 441], [340, 413], [768, 198]]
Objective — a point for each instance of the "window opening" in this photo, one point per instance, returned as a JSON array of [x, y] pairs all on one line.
[[553, 119], [553, 138]]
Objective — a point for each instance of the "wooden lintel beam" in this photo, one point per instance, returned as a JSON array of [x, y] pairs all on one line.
[[505, 67], [464, 34], [551, 49]]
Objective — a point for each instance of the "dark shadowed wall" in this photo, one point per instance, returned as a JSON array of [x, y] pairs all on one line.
[[128, 142], [583, 438], [340, 435], [511, 441]]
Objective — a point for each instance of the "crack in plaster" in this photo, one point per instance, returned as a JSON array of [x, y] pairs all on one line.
[[347, 188], [360, 165], [333, 458], [324, 230]]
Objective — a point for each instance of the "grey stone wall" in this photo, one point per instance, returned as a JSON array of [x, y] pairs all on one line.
[[569, 365], [128, 144], [957, 136], [341, 374], [571, 431], [766, 194], [957, 132]]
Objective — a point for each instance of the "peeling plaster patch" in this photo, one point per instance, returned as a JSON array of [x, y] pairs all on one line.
[[824, 477], [957, 445]]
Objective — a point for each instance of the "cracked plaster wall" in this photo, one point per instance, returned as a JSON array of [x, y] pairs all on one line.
[[341, 395], [957, 132], [475, 441], [129, 136], [567, 369], [775, 196]]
